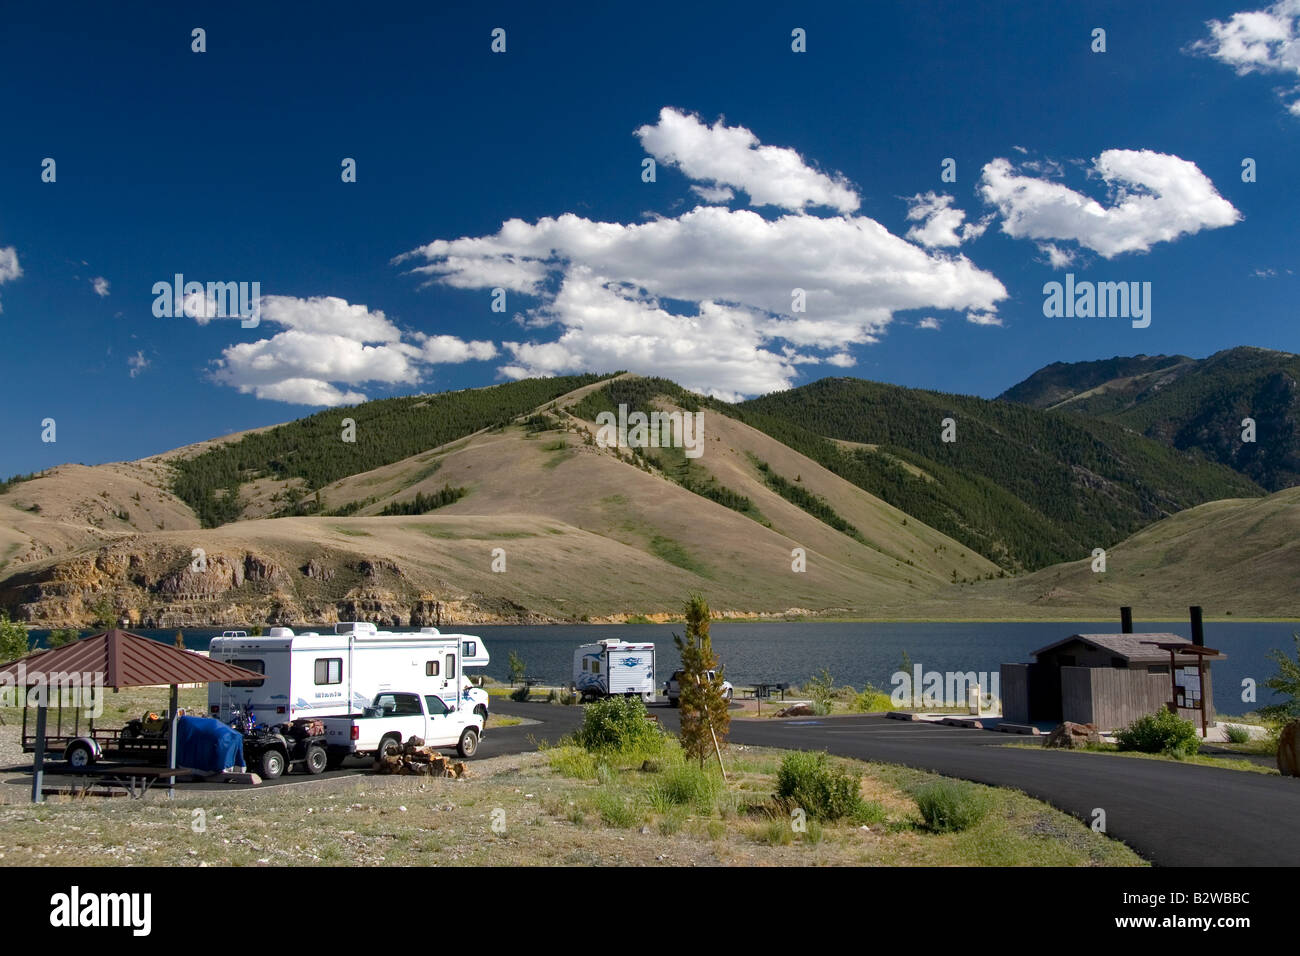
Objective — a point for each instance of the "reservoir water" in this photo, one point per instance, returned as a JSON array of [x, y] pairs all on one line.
[[856, 653]]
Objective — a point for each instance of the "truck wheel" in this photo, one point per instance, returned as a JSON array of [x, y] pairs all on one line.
[[272, 763], [468, 742], [389, 746], [316, 759], [79, 755]]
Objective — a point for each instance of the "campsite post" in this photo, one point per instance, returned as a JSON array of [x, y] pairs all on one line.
[[38, 760]]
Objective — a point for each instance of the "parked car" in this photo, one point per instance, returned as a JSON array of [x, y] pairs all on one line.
[[673, 688], [396, 717]]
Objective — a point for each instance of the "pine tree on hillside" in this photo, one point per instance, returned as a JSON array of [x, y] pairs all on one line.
[[705, 718]]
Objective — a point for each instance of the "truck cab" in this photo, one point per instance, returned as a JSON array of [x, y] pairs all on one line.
[[397, 716], [673, 687]]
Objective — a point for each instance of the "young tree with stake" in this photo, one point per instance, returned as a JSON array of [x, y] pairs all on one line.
[[705, 718]]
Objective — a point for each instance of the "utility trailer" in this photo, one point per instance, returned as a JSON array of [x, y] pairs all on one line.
[[142, 739], [613, 668]]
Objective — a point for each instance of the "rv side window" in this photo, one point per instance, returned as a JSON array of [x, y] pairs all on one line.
[[430, 668], [595, 667], [451, 665], [470, 648], [248, 665], [329, 670], [584, 663]]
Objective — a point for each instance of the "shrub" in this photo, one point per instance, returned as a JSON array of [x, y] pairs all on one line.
[[684, 786], [520, 693], [824, 791], [1163, 732], [13, 639], [949, 806], [871, 701], [1236, 734], [572, 762], [617, 724], [822, 691], [615, 810], [60, 637]]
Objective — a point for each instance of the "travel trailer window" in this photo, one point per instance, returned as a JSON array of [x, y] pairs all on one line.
[[430, 668], [329, 670], [584, 663], [469, 648], [248, 665], [437, 706], [451, 665], [595, 667]]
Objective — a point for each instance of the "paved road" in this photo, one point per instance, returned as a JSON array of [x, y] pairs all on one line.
[[1172, 814]]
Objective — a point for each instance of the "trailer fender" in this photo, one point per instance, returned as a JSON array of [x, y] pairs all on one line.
[[80, 745]]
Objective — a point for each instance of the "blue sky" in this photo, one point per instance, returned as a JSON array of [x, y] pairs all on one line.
[[225, 166]]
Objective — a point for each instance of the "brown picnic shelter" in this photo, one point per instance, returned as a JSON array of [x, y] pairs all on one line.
[[113, 658]]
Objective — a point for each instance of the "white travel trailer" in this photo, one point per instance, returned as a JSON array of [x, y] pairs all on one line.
[[613, 668], [334, 674]]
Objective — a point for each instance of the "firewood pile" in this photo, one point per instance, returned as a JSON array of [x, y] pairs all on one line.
[[420, 761]]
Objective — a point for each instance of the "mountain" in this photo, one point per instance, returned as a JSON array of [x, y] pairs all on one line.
[[502, 505], [583, 532], [1238, 557], [1189, 404], [1061, 381], [1024, 487]]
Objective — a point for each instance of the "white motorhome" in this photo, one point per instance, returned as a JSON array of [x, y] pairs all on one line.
[[333, 674], [613, 668]]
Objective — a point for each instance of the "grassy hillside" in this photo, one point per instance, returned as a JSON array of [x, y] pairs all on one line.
[[1236, 557], [1023, 487], [1191, 404], [314, 451]]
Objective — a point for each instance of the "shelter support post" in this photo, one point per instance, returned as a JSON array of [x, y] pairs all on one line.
[[172, 722], [38, 762]]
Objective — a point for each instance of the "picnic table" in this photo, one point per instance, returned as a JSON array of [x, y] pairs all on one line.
[[136, 781], [765, 689]]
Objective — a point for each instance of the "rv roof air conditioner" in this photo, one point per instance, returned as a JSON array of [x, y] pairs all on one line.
[[359, 628], [281, 632]]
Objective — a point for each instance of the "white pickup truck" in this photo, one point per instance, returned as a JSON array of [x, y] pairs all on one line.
[[396, 717], [673, 687]]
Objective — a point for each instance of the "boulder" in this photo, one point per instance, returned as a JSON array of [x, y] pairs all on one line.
[[1070, 735], [1288, 749]]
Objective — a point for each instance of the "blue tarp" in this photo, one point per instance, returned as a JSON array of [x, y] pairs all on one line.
[[203, 743]]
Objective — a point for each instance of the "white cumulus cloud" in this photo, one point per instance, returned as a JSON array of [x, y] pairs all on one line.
[[100, 285], [1154, 197], [724, 156], [710, 298], [9, 268], [1259, 41], [329, 348], [941, 224]]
